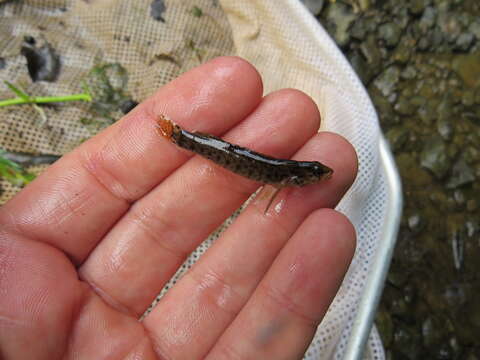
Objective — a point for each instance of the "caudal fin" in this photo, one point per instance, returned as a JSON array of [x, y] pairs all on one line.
[[165, 126]]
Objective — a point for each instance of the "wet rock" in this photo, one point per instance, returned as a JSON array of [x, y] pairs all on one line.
[[406, 342], [449, 24], [455, 295], [409, 73], [472, 205], [387, 81], [471, 154], [459, 197], [442, 351], [477, 98], [455, 346], [390, 33], [405, 107], [474, 313], [436, 38], [384, 108], [314, 6], [402, 53], [371, 51], [474, 28], [409, 294], [417, 101], [399, 307], [445, 128], [462, 174], [467, 319], [385, 326], [468, 98], [471, 228], [464, 42], [428, 19], [365, 4], [427, 113], [471, 355], [425, 42], [340, 17], [411, 172], [397, 278], [431, 335], [434, 157], [416, 223], [445, 117], [363, 70], [358, 30], [397, 137], [417, 6]]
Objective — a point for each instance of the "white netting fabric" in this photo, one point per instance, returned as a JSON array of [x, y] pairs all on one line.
[[289, 49]]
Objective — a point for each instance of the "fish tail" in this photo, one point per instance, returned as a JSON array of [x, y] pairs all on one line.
[[165, 127]]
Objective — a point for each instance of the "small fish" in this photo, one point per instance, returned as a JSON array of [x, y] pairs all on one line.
[[265, 169]]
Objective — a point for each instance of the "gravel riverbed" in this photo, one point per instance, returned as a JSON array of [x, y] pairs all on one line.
[[420, 62]]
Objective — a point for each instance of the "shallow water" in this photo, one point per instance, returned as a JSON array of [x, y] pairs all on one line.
[[420, 61]]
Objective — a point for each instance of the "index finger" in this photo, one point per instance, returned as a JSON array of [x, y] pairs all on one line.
[[80, 197]]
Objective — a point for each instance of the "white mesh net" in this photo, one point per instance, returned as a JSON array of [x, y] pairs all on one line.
[[279, 37]]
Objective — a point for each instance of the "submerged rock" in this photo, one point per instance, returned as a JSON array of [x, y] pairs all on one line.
[[358, 30], [417, 6], [415, 223], [405, 107], [390, 33], [424, 81], [340, 17], [361, 67], [445, 128], [397, 137], [409, 73], [462, 174], [314, 6], [464, 42], [385, 326], [434, 157], [428, 19], [474, 28], [468, 68], [388, 80]]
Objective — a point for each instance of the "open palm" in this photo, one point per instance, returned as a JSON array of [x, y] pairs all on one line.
[[86, 247]]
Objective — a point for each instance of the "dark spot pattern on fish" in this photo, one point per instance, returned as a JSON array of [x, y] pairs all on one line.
[[245, 162]]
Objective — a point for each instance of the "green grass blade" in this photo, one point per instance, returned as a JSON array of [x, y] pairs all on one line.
[[21, 94], [14, 173]]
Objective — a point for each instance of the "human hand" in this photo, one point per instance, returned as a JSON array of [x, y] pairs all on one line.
[[86, 247]]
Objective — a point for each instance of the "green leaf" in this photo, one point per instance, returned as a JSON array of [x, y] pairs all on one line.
[[14, 173], [197, 12], [21, 94]]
